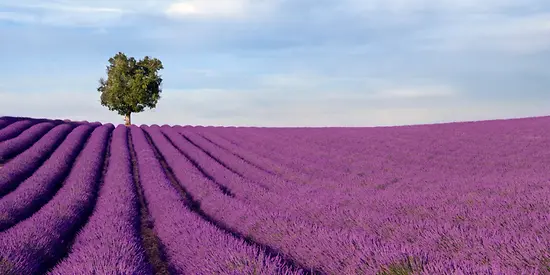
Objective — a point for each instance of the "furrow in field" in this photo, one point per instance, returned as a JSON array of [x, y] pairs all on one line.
[[210, 167], [329, 204], [37, 243], [265, 144], [242, 187], [298, 163], [241, 219], [239, 186], [14, 129], [199, 161], [14, 146], [279, 172], [110, 242], [255, 157], [268, 146], [322, 249], [228, 161], [25, 164], [294, 199], [452, 218], [196, 243], [249, 157], [237, 163], [192, 138], [152, 244], [298, 202], [5, 121], [301, 151], [37, 190], [256, 160]]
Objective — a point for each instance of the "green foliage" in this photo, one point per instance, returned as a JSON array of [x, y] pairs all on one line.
[[408, 266], [396, 269], [131, 86]]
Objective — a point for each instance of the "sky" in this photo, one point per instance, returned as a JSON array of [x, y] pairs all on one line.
[[283, 63]]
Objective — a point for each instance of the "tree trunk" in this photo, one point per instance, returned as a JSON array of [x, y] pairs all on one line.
[[127, 120]]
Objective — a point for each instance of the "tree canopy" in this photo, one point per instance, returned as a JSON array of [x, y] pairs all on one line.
[[131, 86]]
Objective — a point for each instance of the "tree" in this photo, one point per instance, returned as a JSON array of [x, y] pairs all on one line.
[[131, 85]]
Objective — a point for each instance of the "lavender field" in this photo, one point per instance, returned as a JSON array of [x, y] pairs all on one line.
[[455, 198]]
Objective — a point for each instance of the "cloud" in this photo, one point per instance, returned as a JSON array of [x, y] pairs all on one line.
[[254, 108], [18, 17], [207, 8], [332, 87], [220, 9], [416, 92], [68, 13], [448, 6], [519, 34], [70, 8], [280, 62], [296, 81], [88, 13], [293, 99]]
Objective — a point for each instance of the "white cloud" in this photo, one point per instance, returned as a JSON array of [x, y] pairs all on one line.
[[415, 92], [452, 6], [17, 17], [208, 8], [87, 13], [70, 8], [293, 81], [271, 108], [334, 87], [504, 26], [227, 9], [105, 12], [510, 34]]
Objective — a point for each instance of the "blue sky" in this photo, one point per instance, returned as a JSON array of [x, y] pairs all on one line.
[[283, 62]]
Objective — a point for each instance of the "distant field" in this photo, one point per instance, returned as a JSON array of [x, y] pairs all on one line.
[[457, 198]]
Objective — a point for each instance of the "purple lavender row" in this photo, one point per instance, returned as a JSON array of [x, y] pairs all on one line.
[[376, 162], [312, 146], [377, 142], [245, 163], [272, 139], [223, 177], [192, 245], [280, 178], [266, 158], [447, 187], [236, 164], [354, 178], [14, 146], [321, 216], [300, 202], [308, 163], [338, 252], [296, 204], [287, 151], [110, 242], [24, 164], [37, 190], [35, 244], [4, 122], [256, 160], [313, 247], [7, 120], [442, 207], [320, 207], [253, 192], [15, 129]]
